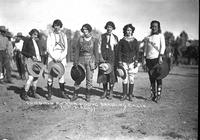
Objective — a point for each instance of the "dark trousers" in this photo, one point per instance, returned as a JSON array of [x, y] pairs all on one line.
[[150, 63], [5, 63], [20, 63]]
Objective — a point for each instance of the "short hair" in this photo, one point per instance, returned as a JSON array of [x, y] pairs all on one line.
[[155, 21], [128, 26], [110, 23], [57, 22], [87, 26], [33, 31]]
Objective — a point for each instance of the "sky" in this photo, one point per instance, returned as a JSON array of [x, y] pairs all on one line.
[[174, 15]]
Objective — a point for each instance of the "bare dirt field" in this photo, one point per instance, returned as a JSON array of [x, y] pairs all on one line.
[[175, 117]]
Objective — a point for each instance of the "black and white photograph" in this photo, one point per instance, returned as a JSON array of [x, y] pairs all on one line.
[[99, 69]]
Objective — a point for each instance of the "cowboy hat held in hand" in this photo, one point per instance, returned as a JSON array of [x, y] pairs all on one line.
[[34, 67], [56, 69], [106, 67], [78, 73], [121, 72]]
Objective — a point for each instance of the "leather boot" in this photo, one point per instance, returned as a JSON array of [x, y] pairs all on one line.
[[130, 95], [153, 93], [110, 95], [88, 95], [125, 86], [62, 88], [34, 94], [49, 87], [158, 95], [105, 90], [24, 96], [75, 95]]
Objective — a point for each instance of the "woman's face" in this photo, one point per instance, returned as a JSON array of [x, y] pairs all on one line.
[[85, 31], [109, 29], [154, 28], [129, 31], [35, 35], [57, 28]]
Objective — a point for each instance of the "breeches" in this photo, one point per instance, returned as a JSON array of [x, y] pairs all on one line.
[[31, 80], [130, 72]]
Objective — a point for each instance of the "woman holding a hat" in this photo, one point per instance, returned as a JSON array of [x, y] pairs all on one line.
[[154, 50], [107, 51], [86, 54], [57, 51], [128, 60], [32, 51]]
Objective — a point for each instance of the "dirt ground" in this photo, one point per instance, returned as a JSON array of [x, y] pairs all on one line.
[[174, 117]]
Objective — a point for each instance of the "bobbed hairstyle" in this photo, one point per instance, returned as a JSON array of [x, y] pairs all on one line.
[[155, 21], [128, 26], [33, 31], [57, 22], [87, 26], [110, 23]]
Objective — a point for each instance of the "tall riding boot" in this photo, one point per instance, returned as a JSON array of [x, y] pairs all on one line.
[[88, 95], [158, 95], [111, 92], [125, 86], [49, 87], [153, 92], [34, 94], [62, 88], [24, 96], [105, 90], [130, 95], [75, 95]]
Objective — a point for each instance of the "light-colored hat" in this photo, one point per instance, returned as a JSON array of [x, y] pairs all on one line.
[[34, 67], [121, 72], [3, 28], [106, 67], [56, 69]]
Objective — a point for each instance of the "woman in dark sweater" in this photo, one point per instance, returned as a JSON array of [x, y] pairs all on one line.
[[128, 58]]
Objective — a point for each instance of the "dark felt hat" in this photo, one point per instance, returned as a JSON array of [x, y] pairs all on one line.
[[160, 71], [78, 73]]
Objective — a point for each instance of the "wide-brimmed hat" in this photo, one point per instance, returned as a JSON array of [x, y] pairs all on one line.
[[78, 73], [3, 28], [19, 34], [34, 67], [106, 68], [121, 72], [56, 69], [160, 71]]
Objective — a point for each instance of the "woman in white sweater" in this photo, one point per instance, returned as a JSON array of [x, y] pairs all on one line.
[[153, 53]]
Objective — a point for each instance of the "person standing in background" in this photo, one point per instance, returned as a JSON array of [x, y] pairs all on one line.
[[19, 58]]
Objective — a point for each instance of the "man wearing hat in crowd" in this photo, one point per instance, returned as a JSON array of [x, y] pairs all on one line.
[[108, 54], [32, 51], [57, 50], [86, 54], [19, 58], [4, 56], [128, 59], [153, 53]]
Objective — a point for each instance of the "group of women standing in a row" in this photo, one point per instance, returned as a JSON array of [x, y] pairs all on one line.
[[91, 52]]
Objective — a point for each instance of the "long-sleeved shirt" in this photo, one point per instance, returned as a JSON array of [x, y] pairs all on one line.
[[3, 43], [154, 46], [57, 45]]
